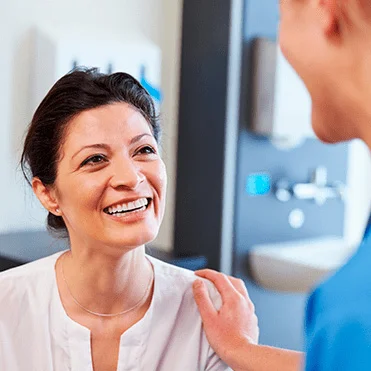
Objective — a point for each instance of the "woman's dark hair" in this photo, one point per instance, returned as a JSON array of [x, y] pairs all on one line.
[[80, 90]]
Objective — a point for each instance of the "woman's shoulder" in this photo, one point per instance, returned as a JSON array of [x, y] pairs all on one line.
[[25, 296], [179, 281], [166, 269], [27, 274]]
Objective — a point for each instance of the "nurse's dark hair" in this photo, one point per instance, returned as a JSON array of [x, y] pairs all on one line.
[[79, 90]]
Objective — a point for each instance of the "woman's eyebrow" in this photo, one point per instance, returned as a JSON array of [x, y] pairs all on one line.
[[137, 138], [97, 146], [133, 140]]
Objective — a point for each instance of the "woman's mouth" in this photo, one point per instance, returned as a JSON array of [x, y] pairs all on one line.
[[130, 207]]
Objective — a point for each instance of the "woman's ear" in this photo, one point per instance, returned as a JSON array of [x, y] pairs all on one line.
[[46, 196]]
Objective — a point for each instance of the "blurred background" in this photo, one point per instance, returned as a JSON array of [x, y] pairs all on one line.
[[251, 192]]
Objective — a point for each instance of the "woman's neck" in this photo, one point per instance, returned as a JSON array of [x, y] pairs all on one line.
[[104, 283]]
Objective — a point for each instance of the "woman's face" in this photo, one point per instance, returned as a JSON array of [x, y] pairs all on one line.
[[111, 180]]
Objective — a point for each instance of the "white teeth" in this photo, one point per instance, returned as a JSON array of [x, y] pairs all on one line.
[[138, 203], [128, 206]]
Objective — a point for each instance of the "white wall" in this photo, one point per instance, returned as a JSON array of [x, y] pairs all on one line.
[[171, 44], [157, 20]]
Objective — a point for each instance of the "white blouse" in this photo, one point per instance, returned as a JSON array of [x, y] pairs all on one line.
[[37, 335]]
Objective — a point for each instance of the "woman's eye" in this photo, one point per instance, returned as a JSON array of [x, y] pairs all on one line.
[[146, 150], [96, 159]]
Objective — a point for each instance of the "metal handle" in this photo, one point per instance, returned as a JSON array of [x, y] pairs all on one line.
[[317, 189]]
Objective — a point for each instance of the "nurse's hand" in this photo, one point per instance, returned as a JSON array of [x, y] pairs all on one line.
[[231, 329]]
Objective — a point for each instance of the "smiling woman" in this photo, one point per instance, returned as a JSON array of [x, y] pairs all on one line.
[[91, 155], [109, 156]]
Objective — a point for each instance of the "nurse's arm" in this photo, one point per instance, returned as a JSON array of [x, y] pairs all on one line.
[[265, 358], [233, 331]]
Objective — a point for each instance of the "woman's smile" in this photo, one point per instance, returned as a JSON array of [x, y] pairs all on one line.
[[130, 212]]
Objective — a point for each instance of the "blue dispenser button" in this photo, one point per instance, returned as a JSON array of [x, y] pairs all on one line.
[[258, 184]]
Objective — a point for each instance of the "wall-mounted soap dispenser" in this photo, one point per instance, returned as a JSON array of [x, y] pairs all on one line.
[[281, 104]]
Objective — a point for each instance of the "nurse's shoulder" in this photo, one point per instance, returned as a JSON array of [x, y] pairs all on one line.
[[345, 292]]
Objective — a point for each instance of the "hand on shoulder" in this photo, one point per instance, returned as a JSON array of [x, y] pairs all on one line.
[[234, 326]]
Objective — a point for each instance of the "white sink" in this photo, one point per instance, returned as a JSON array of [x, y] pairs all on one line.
[[297, 266]]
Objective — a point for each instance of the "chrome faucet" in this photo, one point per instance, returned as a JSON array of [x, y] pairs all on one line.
[[317, 189]]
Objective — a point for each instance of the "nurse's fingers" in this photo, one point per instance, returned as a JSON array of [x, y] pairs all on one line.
[[203, 301], [222, 283], [239, 285]]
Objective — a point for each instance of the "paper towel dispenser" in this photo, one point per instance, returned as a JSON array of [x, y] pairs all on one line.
[[281, 104]]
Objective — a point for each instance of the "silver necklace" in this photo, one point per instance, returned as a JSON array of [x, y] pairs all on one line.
[[141, 300]]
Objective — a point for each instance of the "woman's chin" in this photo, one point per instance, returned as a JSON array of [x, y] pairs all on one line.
[[127, 242]]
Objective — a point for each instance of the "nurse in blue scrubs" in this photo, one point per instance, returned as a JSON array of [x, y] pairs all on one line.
[[328, 42]]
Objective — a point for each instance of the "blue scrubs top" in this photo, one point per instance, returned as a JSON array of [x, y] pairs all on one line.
[[338, 318]]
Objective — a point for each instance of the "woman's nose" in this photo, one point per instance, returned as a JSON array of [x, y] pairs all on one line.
[[126, 174]]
